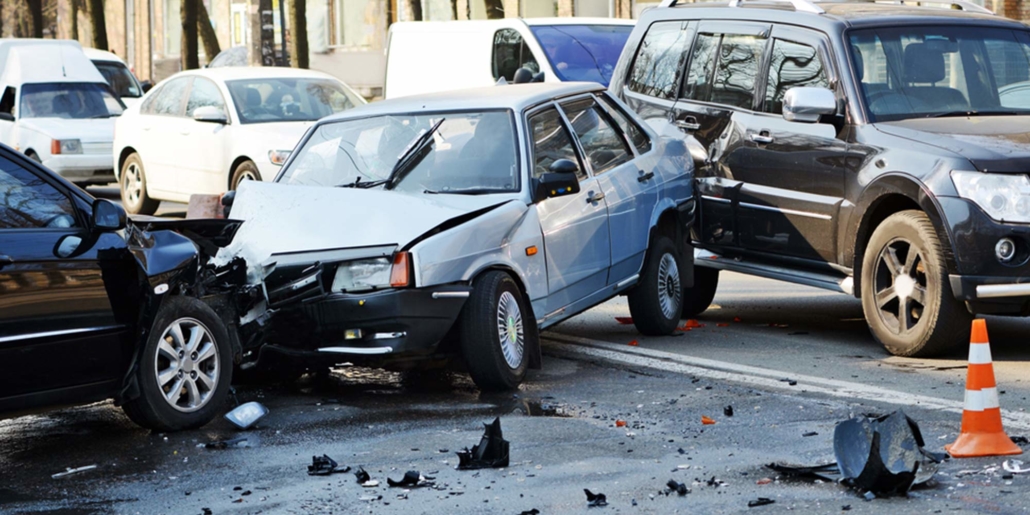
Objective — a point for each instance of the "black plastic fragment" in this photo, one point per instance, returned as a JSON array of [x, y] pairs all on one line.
[[728, 411], [809, 433], [826, 472], [677, 487], [324, 465], [1020, 440], [533, 511], [491, 452], [595, 500], [362, 476], [883, 455], [225, 444], [761, 501], [411, 478]]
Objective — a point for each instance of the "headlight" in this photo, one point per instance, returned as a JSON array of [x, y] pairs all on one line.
[[65, 146], [372, 274], [1005, 198], [278, 157]]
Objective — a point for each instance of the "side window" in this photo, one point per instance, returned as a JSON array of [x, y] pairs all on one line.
[[656, 68], [698, 85], [551, 142], [628, 126], [736, 71], [791, 65], [603, 146], [204, 93], [511, 53], [29, 202], [7, 101], [168, 101]]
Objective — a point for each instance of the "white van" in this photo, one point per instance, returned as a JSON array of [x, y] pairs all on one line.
[[430, 56], [118, 76], [57, 108]]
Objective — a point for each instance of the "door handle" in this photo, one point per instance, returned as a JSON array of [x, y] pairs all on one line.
[[762, 138], [5, 260], [644, 177], [688, 124], [596, 197]]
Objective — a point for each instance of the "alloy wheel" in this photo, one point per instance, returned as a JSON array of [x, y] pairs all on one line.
[[132, 184], [186, 365], [510, 330], [900, 284], [670, 293]]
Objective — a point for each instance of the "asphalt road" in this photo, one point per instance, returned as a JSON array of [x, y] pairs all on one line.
[[111, 192], [561, 425]]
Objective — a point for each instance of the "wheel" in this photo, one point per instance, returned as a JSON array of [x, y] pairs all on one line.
[[657, 301], [246, 171], [494, 334], [906, 295], [185, 368], [33, 156], [698, 297], [134, 188]]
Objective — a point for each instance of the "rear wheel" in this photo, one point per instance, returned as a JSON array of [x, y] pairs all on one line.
[[906, 295], [697, 298], [133, 182], [246, 171], [657, 301], [495, 332]]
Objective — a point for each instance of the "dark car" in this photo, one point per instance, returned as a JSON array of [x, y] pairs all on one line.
[[873, 149], [93, 307]]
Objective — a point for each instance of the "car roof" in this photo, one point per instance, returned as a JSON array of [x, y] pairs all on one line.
[[423, 26], [96, 54], [532, 22], [512, 96], [253, 72]]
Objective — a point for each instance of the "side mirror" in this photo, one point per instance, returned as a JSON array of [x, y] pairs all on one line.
[[7, 117], [146, 86], [560, 180], [807, 105], [227, 200], [210, 114], [522, 76], [108, 216]]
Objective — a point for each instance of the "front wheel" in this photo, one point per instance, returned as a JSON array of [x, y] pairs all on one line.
[[184, 370], [133, 185], [246, 171], [657, 301], [495, 331], [906, 295]]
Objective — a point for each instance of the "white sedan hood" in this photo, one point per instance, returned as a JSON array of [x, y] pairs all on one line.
[[93, 130], [285, 218]]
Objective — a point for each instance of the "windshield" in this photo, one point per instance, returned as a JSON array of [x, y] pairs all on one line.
[[469, 153], [120, 78], [926, 71], [289, 100], [583, 52], [68, 100]]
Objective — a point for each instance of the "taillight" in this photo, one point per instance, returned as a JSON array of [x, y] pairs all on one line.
[[400, 274]]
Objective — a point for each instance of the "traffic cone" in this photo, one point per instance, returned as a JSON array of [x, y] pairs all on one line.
[[982, 434]]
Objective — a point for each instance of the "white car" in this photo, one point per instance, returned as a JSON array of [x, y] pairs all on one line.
[[204, 131], [118, 76]]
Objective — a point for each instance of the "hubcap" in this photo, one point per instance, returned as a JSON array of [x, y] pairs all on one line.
[[132, 184], [186, 365], [669, 291], [246, 176], [900, 285], [510, 329]]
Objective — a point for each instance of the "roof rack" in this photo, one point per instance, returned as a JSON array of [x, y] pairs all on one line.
[[799, 5], [809, 7]]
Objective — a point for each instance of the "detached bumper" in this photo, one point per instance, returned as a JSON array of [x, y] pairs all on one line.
[[390, 322]]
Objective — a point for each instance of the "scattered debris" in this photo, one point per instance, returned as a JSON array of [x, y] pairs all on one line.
[[246, 414], [676, 486], [620, 423], [624, 320], [789, 381], [1015, 467], [846, 507], [809, 433], [225, 444], [706, 420], [490, 452], [324, 465], [1020, 440], [595, 500], [883, 455], [533, 511], [634, 343], [69, 471], [370, 484], [761, 501], [692, 324], [361, 475], [764, 481], [817, 472], [722, 324], [728, 411], [736, 319], [412, 478]]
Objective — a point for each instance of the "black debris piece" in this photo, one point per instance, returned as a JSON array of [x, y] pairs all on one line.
[[595, 500], [324, 465], [869, 496], [412, 478], [533, 511], [714, 482], [761, 501], [846, 507], [1007, 476], [809, 433], [205, 511], [1020, 440], [491, 452], [828, 472], [225, 444], [676, 486], [728, 411], [884, 455], [362, 476], [681, 451], [789, 381]]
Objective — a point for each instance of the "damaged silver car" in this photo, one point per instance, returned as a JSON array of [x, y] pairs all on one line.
[[414, 230]]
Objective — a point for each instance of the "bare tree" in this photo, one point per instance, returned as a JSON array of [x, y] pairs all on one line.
[[98, 23], [189, 49], [298, 34], [454, 9], [207, 32], [73, 13], [494, 9], [36, 17], [416, 9]]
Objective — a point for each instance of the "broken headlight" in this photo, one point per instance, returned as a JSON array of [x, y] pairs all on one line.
[[363, 274]]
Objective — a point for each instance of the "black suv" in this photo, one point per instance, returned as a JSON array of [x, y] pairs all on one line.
[[880, 150]]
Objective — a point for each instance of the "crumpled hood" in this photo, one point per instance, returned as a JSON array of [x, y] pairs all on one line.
[[281, 218], [93, 130], [992, 143]]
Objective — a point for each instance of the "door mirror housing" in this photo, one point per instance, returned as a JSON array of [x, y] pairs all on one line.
[[108, 216], [146, 86], [210, 114], [7, 117], [566, 166], [560, 180], [808, 105]]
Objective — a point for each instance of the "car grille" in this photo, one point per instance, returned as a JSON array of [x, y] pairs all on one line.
[[97, 148]]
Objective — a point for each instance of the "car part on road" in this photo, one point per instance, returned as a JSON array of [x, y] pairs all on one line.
[[697, 298], [246, 414], [705, 420], [1015, 467], [490, 452], [884, 456], [595, 500], [324, 466], [362, 476], [676, 486], [728, 411], [69, 471], [761, 501], [494, 333], [133, 186], [828, 472], [225, 444], [657, 301], [411, 479]]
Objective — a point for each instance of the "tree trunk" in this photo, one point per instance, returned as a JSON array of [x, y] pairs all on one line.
[[36, 17], [494, 9], [98, 23], [207, 32], [454, 9], [189, 49], [73, 13], [298, 34], [416, 9]]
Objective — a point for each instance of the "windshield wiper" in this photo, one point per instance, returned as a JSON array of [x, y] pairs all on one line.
[[363, 185], [468, 191], [412, 156], [973, 112]]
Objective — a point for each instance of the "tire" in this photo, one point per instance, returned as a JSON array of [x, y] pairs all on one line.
[[132, 182], [927, 320], [656, 303], [246, 171], [697, 298], [186, 410], [495, 306]]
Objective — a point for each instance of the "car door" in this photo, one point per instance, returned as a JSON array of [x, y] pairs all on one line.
[[577, 242], [160, 143], [630, 193], [208, 171], [58, 329], [715, 105], [793, 179]]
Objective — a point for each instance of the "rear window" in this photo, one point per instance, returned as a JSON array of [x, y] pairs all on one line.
[[656, 68]]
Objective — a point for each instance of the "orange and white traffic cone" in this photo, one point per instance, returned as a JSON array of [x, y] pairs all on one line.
[[982, 434]]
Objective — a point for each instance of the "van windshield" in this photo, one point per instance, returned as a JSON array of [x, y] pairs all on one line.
[[120, 78], [75, 100], [583, 52]]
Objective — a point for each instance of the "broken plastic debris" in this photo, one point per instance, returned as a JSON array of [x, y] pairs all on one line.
[[736, 319], [826, 472], [809, 433], [728, 411], [412, 478], [620, 423], [69, 471], [370, 484], [361, 475], [634, 343], [883, 455], [533, 511], [1020, 440], [761, 501], [597, 499], [1015, 467], [692, 324], [624, 320], [324, 465], [490, 452], [722, 324], [706, 420], [246, 414], [764, 481], [225, 444], [676, 486]]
